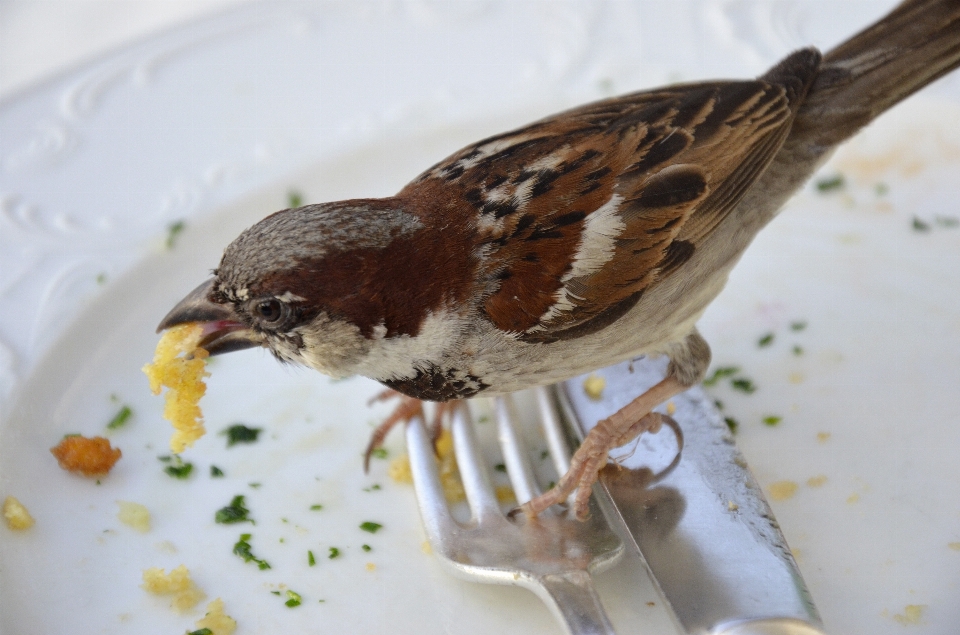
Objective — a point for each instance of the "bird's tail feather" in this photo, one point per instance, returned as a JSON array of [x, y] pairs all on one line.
[[916, 43]]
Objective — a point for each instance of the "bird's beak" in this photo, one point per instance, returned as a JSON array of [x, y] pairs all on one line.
[[222, 331]]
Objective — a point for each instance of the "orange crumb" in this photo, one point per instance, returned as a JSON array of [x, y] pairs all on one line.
[[89, 457]]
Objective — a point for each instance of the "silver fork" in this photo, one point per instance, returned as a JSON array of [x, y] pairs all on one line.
[[553, 555]]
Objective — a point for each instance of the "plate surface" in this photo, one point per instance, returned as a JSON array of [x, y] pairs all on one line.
[[213, 123]]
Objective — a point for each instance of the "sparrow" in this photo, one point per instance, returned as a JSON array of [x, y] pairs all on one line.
[[587, 238]]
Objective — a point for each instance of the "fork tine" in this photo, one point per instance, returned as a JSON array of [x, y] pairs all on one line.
[[437, 521], [514, 449], [553, 429], [471, 464]]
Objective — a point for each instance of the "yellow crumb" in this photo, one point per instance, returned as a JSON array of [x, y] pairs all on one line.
[[954, 545], [93, 457], [853, 498], [134, 515], [731, 506], [16, 515], [671, 408], [782, 490], [796, 553], [816, 481], [796, 378], [505, 494], [426, 548], [911, 614], [370, 566], [216, 620], [593, 386], [823, 437], [180, 365], [399, 470], [177, 583]]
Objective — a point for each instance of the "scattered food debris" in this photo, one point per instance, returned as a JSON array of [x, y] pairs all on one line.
[[216, 621], [134, 515], [311, 560], [293, 599], [334, 553], [242, 548], [816, 481], [912, 614], [16, 515], [772, 420], [294, 198], [720, 373], [831, 183], [593, 385], [86, 456], [173, 232], [239, 433], [732, 423], [379, 453], [782, 490], [120, 419], [731, 506], [178, 469], [765, 341], [215, 472], [235, 512], [371, 527], [370, 566], [823, 437], [744, 385], [920, 225], [853, 498], [177, 583]]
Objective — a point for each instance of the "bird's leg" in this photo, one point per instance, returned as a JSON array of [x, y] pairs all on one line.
[[407, 409], [688, 364]]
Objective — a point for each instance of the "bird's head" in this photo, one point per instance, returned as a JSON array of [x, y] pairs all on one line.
[[306, 283]]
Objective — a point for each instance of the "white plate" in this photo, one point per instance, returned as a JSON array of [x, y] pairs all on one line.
[[215, 121]]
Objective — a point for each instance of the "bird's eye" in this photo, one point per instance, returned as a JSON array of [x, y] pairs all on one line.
[[270, 310]]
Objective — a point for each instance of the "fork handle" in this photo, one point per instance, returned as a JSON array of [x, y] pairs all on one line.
[[574, 601]]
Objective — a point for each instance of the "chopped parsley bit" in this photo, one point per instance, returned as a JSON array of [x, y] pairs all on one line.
[[544, 454], [831, 183], [766, 340], [370, 526], [201, 631], [947, 221], [732, 424], [316, 508], [880, 189], [275, 592], [235, 512], [798, 326], [798, 350], [334, 553], [366, 547], [744, 385], [242, 549], [166, 458], [101, 278], [173, 231], [919, 225], [215, 472], [772, 420], [379, 453], [373, 488], [483, 419], [720, 373], [120, 418], [179, 469], [239, 433], [294, 198], [310, 559], [255, 485], [718, 404], [500, 467], [293, 599]]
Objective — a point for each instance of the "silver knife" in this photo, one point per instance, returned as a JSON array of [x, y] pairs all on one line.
[[700, 522]]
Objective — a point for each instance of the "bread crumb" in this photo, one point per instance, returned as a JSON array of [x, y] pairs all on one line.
[[177, 583], [16, 515], [731, 506], [399, 469], [823, 437], [216, 620], [505, 494], [796, 378], [853, 498], [912, 613], [782, 490], [180, 365], [88, 457], [955, 546], [370, 566], [817, 481], [134, 515], [593, 386], [426, 548], [671, 408]]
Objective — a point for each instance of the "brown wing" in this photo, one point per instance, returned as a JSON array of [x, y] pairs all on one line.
[[578, 214]]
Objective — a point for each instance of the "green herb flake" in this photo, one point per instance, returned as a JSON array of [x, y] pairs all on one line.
[[366, 547], [239, 433], [293, 599], [500, 467], [334, 553], [255, 485], [311, 560], [121, 418], [743, 385], [235, 512], [242, 548], [919, 225], [947, 221], [165, 458], [101, 278], [379, 453], [720, 373], [765, 341], [371, 527], [178, 469], [881, 189], [173, 232], [772, 420], [831, 183], [201, 631], [732, 424], [718, 404], [798, 350], [215, 472], [275, 592], [373, 488], [544, 454], [799, 325], [294, 198], [316, 508]]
